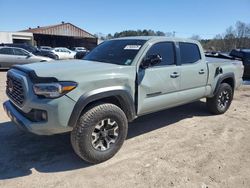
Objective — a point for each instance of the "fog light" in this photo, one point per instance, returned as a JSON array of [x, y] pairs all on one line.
[[38, 115]]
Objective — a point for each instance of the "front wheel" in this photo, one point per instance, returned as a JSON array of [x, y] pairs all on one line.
[[99, 133], [220, 103]]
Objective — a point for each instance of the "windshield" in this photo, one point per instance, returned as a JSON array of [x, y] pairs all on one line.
[[121, 52]]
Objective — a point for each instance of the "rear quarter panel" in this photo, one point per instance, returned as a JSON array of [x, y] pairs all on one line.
[[227, 66]]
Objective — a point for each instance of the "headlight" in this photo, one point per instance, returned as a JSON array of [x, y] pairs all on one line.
[[53, 90]]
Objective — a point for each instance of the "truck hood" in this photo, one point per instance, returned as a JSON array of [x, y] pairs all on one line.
[[89, 75], [72, 69]]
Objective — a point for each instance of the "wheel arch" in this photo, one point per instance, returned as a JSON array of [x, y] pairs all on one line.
[[118, 96], [228, 78]]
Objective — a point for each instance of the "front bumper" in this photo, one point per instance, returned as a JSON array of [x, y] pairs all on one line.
[[25, 114], [15, 116], [49, 127]]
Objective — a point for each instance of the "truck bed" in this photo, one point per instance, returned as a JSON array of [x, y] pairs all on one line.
[[221, 60]]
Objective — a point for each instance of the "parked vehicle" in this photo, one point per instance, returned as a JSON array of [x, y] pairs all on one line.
[[45, 48], [63, 53], [80, 55], [117, 82], [243, 54], [12, 56], [80, 49], [42, 51], [24, 46], [47, 53]]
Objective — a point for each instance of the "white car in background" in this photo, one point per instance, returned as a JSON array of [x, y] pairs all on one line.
[[63, 53]]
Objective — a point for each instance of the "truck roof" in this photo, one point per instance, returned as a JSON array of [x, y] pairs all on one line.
[[157, 38]]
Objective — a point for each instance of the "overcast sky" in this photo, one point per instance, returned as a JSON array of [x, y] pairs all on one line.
[[186, 17]]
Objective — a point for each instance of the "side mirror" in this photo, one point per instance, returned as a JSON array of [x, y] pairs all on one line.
[[28, 56], [151, 60]]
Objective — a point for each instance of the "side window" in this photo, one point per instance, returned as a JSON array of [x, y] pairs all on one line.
[[20, 52], [166, 50], [189, 52], [6, 51]]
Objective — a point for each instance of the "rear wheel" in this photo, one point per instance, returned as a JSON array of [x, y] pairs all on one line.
[[220, 103], [99, 133]]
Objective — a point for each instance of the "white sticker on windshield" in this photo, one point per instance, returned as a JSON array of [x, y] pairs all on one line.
[[132, 47]]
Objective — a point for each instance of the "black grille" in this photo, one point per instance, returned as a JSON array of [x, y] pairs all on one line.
[[14, 90]]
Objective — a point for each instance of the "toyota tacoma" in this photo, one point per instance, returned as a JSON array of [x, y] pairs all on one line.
[[118, 81]]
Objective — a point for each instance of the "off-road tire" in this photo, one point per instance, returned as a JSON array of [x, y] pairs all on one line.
[[215, 105], [82, 138]]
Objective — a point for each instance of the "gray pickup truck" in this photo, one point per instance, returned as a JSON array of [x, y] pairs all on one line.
[[118, 81]]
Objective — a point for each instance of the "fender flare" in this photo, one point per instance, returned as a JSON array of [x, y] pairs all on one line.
[[123, 96], [222, 78]]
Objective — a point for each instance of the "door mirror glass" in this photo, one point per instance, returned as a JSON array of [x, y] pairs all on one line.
[[151, 60]]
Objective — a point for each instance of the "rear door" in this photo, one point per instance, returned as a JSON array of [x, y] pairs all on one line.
[[158, 85], [7, 57], [194, 72]]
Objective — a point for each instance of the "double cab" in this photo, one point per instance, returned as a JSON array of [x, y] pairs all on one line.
[[118, 81]]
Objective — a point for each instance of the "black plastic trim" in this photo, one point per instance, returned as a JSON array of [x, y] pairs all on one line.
[[33, 76], [122, 95], [178, 54], [222, 78]]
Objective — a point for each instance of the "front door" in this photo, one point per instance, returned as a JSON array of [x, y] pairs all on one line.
[[22, 56], [158, 84]]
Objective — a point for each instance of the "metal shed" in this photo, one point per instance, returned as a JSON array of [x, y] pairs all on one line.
[[62, 35]]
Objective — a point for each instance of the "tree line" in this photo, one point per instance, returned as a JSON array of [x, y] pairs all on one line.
[[237, 36], [128, 33], [234, 37]]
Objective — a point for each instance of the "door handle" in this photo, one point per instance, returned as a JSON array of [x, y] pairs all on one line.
[[202, 71], [174, 75]]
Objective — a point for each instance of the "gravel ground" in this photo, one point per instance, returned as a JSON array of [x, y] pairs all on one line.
[[180, 147]]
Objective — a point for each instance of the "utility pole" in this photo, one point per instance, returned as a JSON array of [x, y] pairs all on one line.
[[174, 33]]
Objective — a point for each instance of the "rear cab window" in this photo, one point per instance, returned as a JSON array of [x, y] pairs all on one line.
[[189, 52]]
